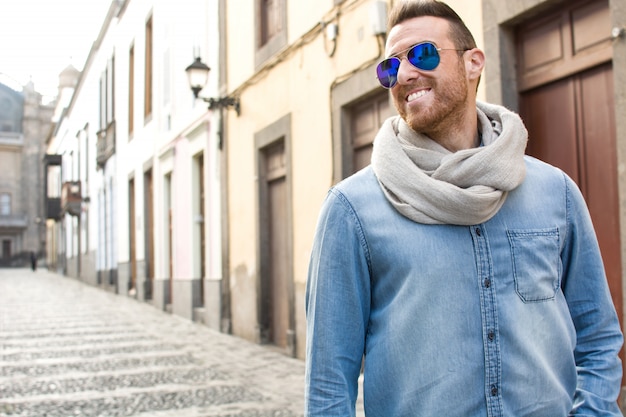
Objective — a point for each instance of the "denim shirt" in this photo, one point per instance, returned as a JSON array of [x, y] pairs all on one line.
[[512, 317]]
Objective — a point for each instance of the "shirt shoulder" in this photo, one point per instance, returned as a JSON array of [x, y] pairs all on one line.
[[360, 187]]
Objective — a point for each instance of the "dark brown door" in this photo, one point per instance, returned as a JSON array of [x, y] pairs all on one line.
[[170, 234], [566, 101], [6, 250], [276, 283], [149, 233], [170, 249], [201, 223], [366, 119], [132, 235], [571, 125]]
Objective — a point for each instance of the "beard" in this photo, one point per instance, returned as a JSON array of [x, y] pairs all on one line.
[[448, 107]]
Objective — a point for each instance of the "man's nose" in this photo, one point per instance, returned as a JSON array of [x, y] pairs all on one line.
[[407, 72]]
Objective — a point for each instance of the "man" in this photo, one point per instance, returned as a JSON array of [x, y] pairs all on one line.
[[461, 277]]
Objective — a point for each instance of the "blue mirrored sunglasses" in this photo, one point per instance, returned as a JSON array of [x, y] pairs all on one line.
[[423, 56]]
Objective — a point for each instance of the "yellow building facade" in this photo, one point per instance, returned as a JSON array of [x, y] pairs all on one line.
[[303, 73], [310, 106]]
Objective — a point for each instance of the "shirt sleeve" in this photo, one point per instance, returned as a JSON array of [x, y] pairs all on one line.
[[337, 310], [599, 336]]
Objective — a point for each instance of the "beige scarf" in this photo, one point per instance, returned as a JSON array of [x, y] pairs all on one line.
[[429, 184]]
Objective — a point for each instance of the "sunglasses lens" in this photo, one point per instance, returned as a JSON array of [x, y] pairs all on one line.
[[387, 72], [424, 56]]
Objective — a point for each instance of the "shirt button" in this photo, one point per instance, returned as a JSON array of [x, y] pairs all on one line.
[[478, 231], [487, 283], [491, 335], [494, 390]]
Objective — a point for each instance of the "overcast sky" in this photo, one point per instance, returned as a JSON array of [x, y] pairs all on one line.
[[39, 38]]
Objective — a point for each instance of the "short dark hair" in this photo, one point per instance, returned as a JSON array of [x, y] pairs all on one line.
[[408, 9]]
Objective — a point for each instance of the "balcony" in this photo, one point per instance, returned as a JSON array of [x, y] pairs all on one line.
[[71, 198], [53, 208], [13, 222], [11, 139], [106, 144], [52, 166]]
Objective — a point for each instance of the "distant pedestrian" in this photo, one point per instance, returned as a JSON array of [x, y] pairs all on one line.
[[33, 261]]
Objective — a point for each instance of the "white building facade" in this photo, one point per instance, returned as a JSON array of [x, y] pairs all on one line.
[[146, 156]]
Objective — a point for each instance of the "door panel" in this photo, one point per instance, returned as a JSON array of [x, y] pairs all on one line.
[[6, 250], [132, 235], [279, 308], [366, 119], [597, 124], [565, 79], [149, 234], [275, 278], [573, 38], [550, 117], [571, 125], [200, 224]]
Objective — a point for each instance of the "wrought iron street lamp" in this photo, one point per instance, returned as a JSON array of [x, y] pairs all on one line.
[[198, 75]]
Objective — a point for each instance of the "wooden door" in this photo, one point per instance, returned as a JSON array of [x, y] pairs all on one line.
[[170, 293], [571, 125], [201, 223], [275, 291], [567, 102], [149, 233], [6, 250], [169, 247], [365, 120], [132, 235]]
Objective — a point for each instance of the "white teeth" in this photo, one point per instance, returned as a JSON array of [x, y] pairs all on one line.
[[416, 95]]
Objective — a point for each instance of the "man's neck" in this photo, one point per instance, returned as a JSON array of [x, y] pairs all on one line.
[[457, 140], [458, 133]]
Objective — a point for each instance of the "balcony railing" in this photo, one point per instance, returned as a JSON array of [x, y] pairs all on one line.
[[11, 138], [13, 222], [106, 144], [71, 198], [52, 172], [53, 208]]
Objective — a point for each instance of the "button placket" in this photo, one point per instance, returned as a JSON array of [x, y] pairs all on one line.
[[488, 309]]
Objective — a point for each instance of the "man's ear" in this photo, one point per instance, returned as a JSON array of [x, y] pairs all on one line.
[[474, 63]]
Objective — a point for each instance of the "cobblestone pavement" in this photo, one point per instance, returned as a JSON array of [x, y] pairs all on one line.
[[70, 349]]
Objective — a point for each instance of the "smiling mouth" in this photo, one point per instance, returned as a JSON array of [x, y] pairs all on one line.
[[417, 94]]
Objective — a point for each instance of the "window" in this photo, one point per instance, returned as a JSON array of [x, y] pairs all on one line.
[[271, 28], [131, 89], [11, 110], [166, 77], [106, 95], [5, 204], [110, 90], [102, 119], [270, 20], [148, 71]]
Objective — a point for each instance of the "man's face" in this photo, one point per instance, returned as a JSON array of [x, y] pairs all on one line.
[[435, 101]]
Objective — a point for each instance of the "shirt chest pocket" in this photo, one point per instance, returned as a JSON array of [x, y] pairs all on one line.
[[536, 263]]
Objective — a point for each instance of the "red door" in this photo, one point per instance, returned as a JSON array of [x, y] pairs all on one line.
[[567, 102], [571, 125]]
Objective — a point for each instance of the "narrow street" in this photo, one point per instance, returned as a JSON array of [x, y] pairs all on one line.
[[69, 349]]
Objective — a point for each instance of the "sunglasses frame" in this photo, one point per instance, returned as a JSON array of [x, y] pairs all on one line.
[[403, 54]]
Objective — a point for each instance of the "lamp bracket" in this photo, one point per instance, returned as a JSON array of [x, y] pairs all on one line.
[[223, 103]]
